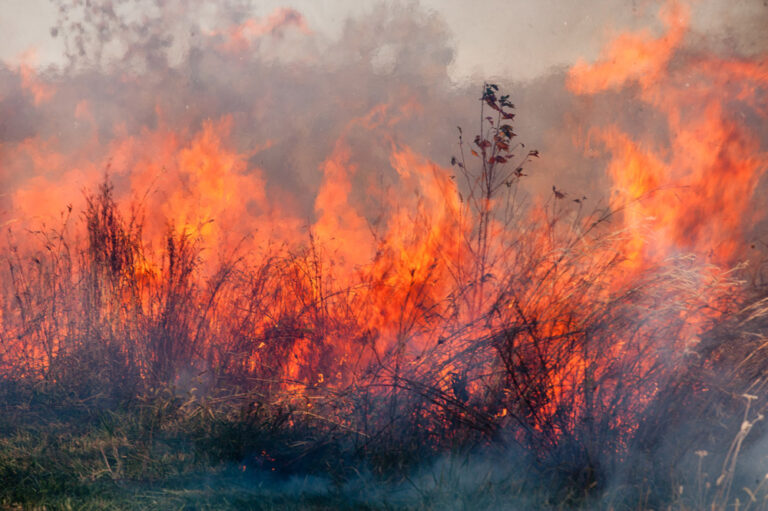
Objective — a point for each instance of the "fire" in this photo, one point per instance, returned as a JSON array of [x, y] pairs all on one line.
[[467, 300], [337, 219], [692, 191], [241, 37], [40, 91]]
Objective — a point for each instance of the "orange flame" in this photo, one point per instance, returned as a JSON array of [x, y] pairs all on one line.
[[365, 291], [692, 191]]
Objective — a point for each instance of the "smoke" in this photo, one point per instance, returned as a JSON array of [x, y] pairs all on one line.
[[279, 95], [136, 93], [261, 125], [477, 481]]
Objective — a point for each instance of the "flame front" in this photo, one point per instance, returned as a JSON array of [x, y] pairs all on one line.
[[396, 279], [690, 191]]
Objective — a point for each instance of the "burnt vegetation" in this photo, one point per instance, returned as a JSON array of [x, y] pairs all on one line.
[[138, 375]]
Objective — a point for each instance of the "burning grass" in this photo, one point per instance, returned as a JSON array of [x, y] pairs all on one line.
[[463, 346], [151, 378]]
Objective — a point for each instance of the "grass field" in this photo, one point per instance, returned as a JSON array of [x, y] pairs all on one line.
[[168, 451], [165, 452]]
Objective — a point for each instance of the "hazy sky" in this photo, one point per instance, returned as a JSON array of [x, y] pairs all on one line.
[[515, 38]]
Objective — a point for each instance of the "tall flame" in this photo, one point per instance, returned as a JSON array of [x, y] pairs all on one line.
[[337, 295], [691, 191]]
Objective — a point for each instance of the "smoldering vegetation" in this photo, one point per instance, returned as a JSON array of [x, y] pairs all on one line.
[[233, 277]]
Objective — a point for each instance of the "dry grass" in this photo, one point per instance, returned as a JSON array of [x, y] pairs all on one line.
[[534, 335]]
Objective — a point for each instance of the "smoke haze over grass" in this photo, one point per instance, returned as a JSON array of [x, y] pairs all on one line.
[[310, 256]]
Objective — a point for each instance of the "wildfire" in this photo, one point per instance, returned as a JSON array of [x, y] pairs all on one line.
[[691, 191], [463, 298]]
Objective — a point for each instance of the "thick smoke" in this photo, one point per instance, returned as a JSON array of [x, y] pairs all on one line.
[[209, 113], [279, 96]]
